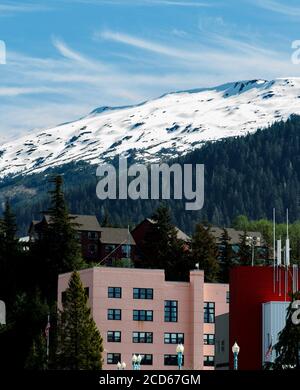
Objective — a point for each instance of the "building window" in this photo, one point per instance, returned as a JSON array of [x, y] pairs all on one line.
[[223, 346], [142, 315], [209, 361], [64, 294], [142, 337], [63, 297], [109, 248], [126, 251], [92, 235], [87, 291], [172, 360], [143, 293], [174, 338], [147, 359], [92, 248], [113, 358], [209, 339], [113, 336], [114, 314], [227, 297], [114, 292], [171, 309], [209, 312]]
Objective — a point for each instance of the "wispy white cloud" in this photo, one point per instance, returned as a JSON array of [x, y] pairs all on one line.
[[147, 45], [17, 91], [11, 7], [279, 7], [174, 3]]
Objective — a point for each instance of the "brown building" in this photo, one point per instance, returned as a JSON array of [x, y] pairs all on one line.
[[99, 244], [142, 229]]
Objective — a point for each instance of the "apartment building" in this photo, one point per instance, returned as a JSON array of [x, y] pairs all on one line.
[[138, 312]]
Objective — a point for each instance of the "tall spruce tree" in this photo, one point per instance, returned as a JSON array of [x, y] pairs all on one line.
[[163, 249], [58, 249], [80, 345], [205, 252], [9, 255], [288, 345], [244, 253], [226, 256]]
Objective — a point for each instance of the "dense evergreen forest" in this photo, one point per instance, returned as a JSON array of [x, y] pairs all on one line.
[[246, 175]]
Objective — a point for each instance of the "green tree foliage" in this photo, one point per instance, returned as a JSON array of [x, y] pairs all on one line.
[[58, 249], [162, 248], [227, 257], [244, 253], [204, 251], [288, 345], [37, 358], [9, 255], [80, 344]]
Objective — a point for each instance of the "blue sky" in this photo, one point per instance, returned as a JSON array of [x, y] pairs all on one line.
[[67, 57]]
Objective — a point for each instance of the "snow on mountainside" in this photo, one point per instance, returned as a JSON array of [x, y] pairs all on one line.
[[171, 125]]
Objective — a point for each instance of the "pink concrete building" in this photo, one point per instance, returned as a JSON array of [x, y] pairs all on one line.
[[138, 312]]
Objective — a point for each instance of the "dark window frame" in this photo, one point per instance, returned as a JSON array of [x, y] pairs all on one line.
[[113, 358], [171, 315], [208, 361], [172, 360], [112, 292], [142, 293], [147, 358], [208, 340], [209, 312], [111, 336], [142, 315], [137, 337], [113, 316], [173, 340]]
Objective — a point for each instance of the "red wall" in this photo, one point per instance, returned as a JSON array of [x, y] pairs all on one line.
[[249, 288]]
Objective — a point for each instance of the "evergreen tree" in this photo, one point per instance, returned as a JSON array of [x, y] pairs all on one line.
[[37, 358], [226, 256], [288, 345], [162, 248], [80, 344], [9, 255], [58, 249], [205, 253], [105, 222], [244, 253]]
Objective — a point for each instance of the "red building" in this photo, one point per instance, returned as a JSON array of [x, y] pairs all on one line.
[[250, 288]]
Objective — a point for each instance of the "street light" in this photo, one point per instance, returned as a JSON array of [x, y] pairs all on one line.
[[136, 362], [121, 366], [235, 351], [179, 351]]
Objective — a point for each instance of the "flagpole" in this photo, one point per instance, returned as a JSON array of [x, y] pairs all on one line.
[[48, 338]]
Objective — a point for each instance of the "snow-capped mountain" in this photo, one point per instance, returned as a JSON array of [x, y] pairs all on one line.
[[169, 126]]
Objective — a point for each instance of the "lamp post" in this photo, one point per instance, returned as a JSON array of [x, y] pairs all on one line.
[[121, 366], [235, 351], [136, 362], [179, 351]]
